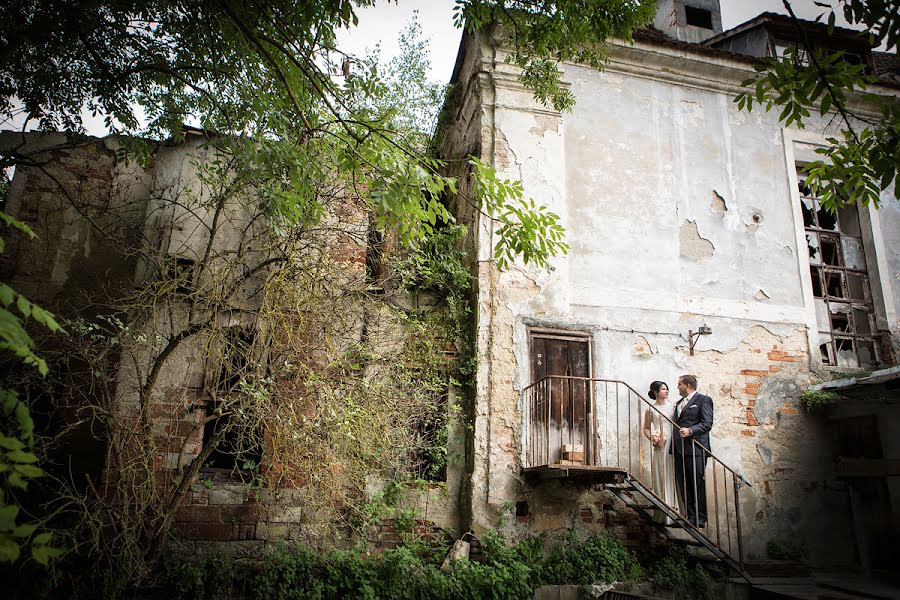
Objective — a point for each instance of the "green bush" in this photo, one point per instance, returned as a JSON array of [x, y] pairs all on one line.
[[671, 572], [815, 400], [504, 572]]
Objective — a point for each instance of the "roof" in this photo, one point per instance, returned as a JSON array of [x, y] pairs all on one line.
[[887, 66], [655, 36], [885, 382], [785, 21]]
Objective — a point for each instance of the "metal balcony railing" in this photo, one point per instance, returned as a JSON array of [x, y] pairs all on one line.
[[585, 423]]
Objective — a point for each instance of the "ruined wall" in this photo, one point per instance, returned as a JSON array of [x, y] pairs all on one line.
[[680, 211], [116, 238]]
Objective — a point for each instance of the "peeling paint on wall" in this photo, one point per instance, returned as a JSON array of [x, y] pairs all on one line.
[[691, 244], [761, 295], [544, 123], [718, 203]]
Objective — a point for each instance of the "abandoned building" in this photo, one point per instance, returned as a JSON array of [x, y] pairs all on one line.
[[695, 248]]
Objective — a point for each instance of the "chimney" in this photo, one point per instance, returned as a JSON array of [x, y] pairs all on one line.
[[688, 20]]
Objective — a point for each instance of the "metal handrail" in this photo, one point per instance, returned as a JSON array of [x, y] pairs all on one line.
[[649, 404], [575, 417]]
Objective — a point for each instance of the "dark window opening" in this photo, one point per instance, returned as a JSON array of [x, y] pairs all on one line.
[[375, 258], [830, 251], [181, 272], [816, 283], [834, 289], [237, 346], [431, 430], [239, 445], [840, 286], [522, 508], [698, 17]]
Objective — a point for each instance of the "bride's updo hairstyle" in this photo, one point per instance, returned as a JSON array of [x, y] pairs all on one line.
[[654, 388]]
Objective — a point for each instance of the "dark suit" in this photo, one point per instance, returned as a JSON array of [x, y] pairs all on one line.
[[690, 460]]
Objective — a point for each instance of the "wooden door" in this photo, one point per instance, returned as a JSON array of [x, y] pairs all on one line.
[[567, 414]]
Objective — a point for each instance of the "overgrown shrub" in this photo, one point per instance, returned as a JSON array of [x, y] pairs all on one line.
[[504, 572], [672, 572], [816, 400]]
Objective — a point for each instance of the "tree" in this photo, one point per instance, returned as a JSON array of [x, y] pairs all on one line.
[[290, 121], [268, 76], [864, 159]]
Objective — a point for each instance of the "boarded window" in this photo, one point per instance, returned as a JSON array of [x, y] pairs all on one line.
[[840, 284]]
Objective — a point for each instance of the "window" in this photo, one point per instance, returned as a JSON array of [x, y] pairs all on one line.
[[239, 446], [698, 17], [840, 284]]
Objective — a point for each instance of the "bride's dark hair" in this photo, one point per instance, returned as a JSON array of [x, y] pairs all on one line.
[[654, 388]]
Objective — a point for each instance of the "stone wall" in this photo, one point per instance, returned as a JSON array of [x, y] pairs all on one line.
[[109, 233]]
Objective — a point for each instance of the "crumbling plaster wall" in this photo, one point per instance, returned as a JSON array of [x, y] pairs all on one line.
[[108, 225], [679, 212]]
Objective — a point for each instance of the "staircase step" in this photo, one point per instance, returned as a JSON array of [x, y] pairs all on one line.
[[676, 534], [777, 568]]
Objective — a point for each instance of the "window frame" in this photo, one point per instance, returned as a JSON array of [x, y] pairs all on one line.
[[800, 143]]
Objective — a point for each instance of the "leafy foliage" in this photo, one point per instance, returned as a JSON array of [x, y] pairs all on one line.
[[18, 461], [542, 35], [864, 159], [504, 572], [785, 550], [671, 572], [287, 104], [816, 400]]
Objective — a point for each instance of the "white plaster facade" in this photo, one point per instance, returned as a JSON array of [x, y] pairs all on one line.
[[680, 210]]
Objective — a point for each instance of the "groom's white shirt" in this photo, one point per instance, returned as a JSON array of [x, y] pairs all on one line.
[[682, 403]]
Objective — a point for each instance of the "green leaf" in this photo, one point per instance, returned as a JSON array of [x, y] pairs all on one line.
[[9, 549], [8, 514], [7, 295], [21, 457], [24, 530]]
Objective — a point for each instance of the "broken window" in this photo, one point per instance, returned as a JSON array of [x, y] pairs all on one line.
[[840, 284], [431, 428], [237, 445], [181, 272]]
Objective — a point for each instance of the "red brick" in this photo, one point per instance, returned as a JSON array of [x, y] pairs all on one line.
[[751, 373], [751, 418], [748, 433], [197, 513], [206, 531], [752, 388], [788, 410], [774, 369], [243, 532], [241, 513]]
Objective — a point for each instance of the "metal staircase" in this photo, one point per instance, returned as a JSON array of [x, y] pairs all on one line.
[[591, 429]]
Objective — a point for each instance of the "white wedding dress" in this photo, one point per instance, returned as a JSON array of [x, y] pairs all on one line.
[[662, 464]]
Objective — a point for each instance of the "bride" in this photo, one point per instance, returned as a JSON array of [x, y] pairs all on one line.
[[658, 430]]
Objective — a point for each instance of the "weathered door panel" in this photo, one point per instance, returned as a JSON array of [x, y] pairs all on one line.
[[568, 406]]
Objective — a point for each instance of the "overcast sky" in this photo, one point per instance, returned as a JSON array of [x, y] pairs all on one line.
[[383, 23]]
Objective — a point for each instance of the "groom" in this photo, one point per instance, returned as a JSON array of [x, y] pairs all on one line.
[[693, 420]]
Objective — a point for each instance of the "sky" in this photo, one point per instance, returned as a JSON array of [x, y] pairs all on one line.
[[383, 22]]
